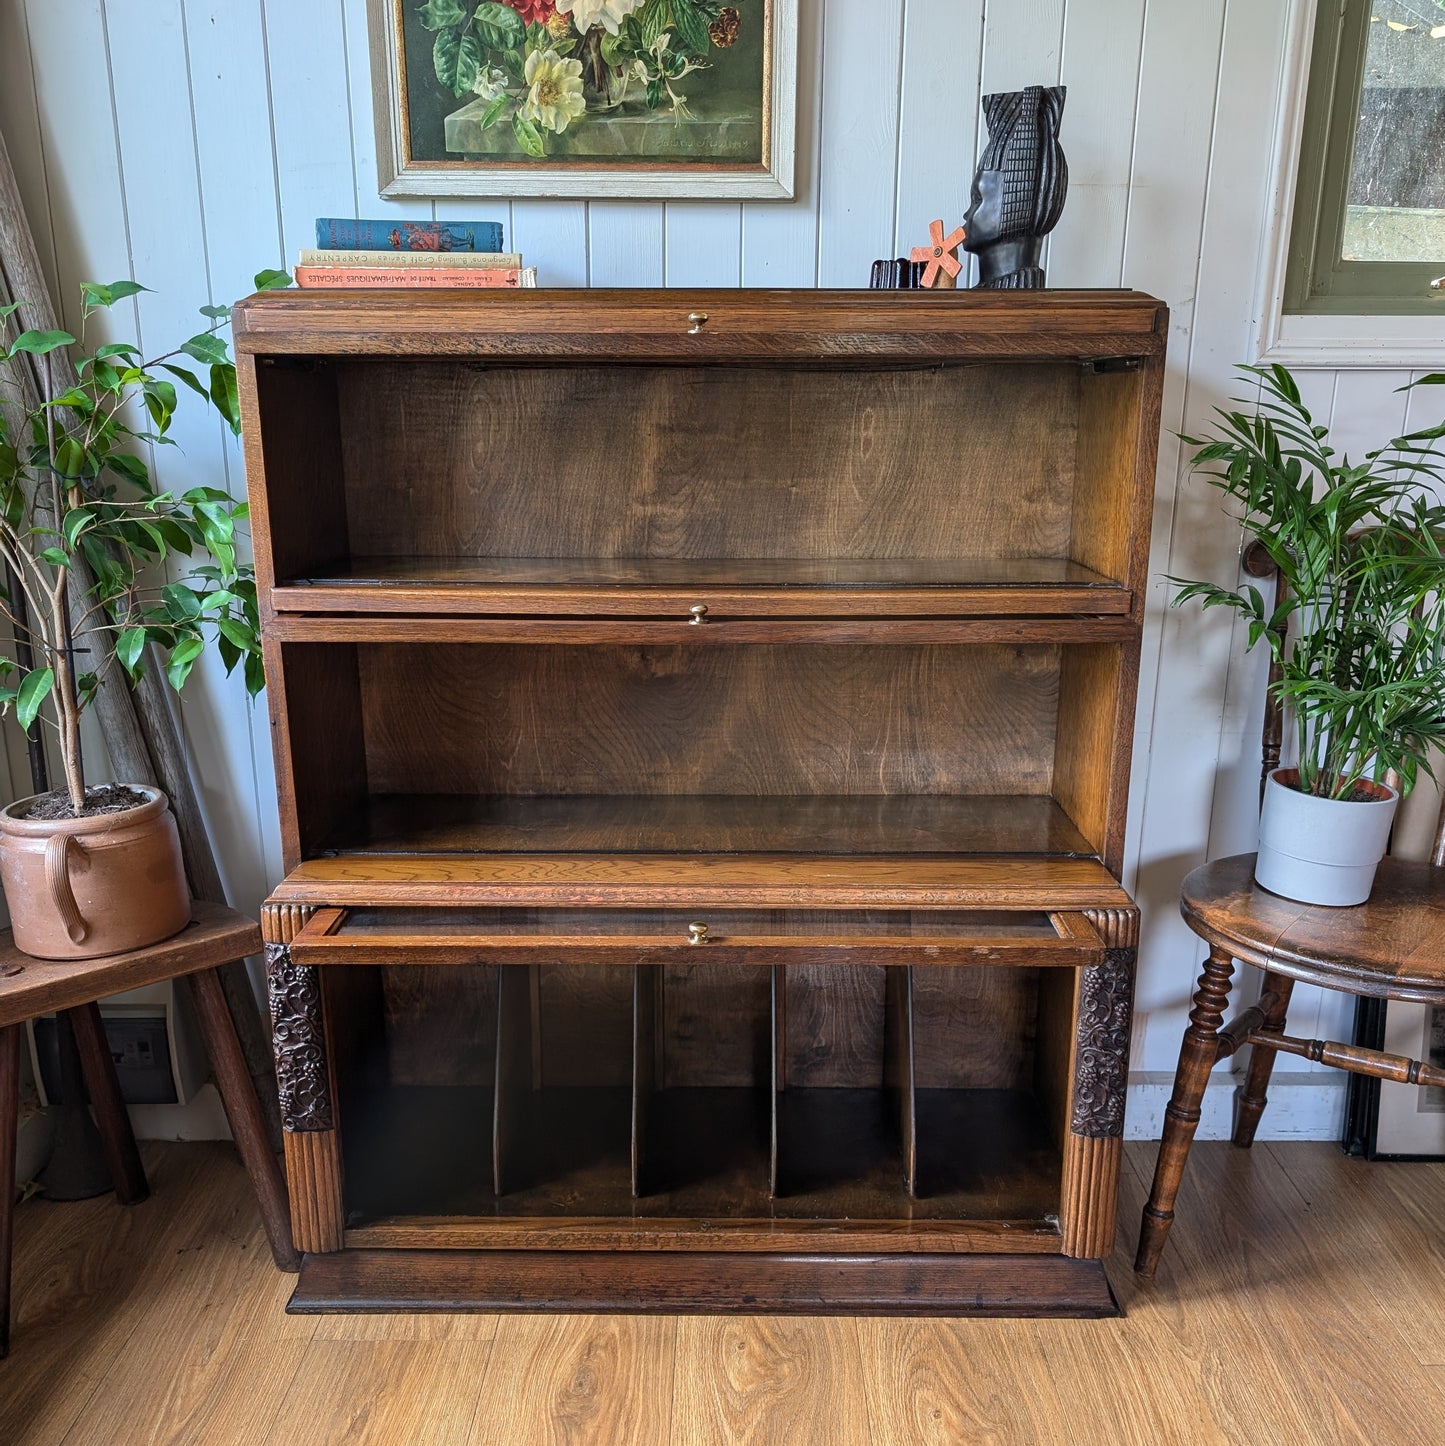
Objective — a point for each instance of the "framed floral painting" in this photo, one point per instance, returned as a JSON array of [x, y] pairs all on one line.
[[662, 98]]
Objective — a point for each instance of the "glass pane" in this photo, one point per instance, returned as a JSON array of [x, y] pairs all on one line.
[[1395, 208], [723, 924]]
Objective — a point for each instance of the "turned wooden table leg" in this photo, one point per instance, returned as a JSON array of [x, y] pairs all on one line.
[[121, 1154], [1250, 1101], [9, 1121], [243, 1110], [1181, 1118]]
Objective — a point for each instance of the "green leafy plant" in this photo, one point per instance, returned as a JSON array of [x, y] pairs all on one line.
[[77, 499], [1360, 629]]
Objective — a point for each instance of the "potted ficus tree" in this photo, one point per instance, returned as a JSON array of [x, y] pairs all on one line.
[[102, 572], [1357, 634]]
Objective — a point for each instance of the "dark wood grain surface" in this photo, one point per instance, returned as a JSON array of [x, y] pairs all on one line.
[[678, 630], [29, 986], [835, 1284], [440, 1024], [423, 1152], [1391, 946], [727, 462], [651, 880], [742, 324], [715, 823], [726, 587], [676, 720]]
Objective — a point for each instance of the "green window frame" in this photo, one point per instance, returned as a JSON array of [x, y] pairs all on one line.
[[1317, 280]]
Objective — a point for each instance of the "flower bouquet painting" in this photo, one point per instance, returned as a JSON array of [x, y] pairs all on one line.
[[586, 97]]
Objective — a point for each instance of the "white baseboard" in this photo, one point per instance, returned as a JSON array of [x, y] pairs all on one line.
[[1303, 1105], [204, 1118]]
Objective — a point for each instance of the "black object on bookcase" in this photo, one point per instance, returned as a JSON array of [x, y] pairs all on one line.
[[897, 274]]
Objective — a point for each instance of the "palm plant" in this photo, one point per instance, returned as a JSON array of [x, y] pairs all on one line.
[[1359, 627]]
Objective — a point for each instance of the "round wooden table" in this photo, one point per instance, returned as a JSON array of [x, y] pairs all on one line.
[[1390, 947]]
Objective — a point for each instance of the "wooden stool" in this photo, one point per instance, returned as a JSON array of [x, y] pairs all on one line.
[[30, 986], [1392, 947]]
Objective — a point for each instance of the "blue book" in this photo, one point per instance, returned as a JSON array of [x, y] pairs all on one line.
[[344, 234]]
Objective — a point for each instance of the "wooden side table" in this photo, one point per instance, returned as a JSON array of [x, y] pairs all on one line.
[[1390, 947], [29, 986]]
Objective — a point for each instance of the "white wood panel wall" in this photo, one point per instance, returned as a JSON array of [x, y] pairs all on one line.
[[189, 144]]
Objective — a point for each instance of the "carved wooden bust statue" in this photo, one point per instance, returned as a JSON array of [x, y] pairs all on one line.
[[1019, 189]]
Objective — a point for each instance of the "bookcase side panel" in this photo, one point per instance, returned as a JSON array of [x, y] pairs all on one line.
[[1097, 685], [299, 430], [318, 725]]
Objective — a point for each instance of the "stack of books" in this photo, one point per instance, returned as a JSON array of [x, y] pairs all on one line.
[[352, 255]]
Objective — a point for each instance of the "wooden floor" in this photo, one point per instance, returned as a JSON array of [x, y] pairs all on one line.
[[1321, 1276]]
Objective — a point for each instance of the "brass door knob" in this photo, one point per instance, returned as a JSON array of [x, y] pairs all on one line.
[[697, 320], [697, 613], [697, 933]]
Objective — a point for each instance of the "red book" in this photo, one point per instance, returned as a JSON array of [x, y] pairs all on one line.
[[373, 277]]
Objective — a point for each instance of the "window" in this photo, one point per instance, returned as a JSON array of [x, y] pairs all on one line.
[[1368, 235]]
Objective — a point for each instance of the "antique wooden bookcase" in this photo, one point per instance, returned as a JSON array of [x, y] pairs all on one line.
[[702, 729]]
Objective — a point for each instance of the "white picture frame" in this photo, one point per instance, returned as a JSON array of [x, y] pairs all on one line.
[[401, 173], [1411, 1118]]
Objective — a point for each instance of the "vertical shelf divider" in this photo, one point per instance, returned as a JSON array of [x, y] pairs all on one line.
[[646, 1066], [777, 1083], [899, 1066], [515, 1077]]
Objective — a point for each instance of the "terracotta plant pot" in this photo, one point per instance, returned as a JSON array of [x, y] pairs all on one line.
[[77, 888], [1321, 850]]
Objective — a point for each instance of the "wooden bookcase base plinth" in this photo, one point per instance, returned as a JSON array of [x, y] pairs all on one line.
[[365, 1281]]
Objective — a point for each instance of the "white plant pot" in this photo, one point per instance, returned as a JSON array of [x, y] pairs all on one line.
[[1321, 850]]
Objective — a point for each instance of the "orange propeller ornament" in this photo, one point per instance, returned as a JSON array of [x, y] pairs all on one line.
[[943, 265]]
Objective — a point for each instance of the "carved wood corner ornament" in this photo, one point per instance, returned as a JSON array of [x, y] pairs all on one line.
[[1101, 1059], [302, 1077], [941, 254]]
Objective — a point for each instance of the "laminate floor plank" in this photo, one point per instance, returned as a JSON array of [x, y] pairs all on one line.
[[1203, 1343], [1315, 1278], [766, 1379], [1297, 1301], [398, 1327], [85, 1275], [381, 1393], [1408, 1206], [1400, 1238], [219, 1323], [936, 1381], [1290, 1303], [578, 1381]]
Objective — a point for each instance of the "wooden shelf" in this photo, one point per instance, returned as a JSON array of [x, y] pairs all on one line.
[[728, 587], [385, 627], [853, 824], [984, 1154], [979, 881], [423, 1153]]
